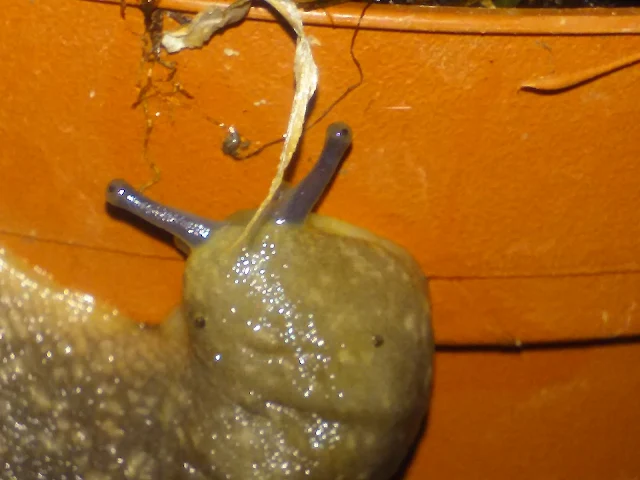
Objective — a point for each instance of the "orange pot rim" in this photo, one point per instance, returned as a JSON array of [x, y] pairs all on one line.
[[473, 21]]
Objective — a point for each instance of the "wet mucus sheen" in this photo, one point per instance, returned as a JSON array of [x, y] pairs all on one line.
[[305, 352]]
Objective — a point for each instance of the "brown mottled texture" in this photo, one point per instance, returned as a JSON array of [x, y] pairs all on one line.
[[306, 354], [83, 390]]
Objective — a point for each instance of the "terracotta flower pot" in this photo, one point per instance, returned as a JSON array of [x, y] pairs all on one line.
[[522, 207]]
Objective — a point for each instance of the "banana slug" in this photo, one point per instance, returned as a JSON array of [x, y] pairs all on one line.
[[303, 353]]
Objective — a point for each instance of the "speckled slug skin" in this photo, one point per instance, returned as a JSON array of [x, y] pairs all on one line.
[[84, 392], [307, 355]]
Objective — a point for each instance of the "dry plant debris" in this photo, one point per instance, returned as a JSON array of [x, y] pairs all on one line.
[[197, 32]]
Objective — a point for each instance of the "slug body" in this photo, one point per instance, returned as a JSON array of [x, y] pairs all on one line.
[[302, 353]]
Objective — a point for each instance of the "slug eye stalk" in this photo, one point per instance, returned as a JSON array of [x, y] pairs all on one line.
[[189, 230], [299, 202]]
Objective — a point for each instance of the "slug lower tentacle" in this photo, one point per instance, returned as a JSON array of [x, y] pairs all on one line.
[[304, 354]]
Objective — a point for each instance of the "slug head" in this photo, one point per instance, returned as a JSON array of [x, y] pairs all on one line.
[[312, 320]]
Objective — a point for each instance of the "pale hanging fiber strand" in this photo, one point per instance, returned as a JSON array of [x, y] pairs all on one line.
[[306, 75], [208, 22], [204, 25]]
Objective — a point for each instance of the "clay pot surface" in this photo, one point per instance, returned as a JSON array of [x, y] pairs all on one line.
[[521, 207]]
